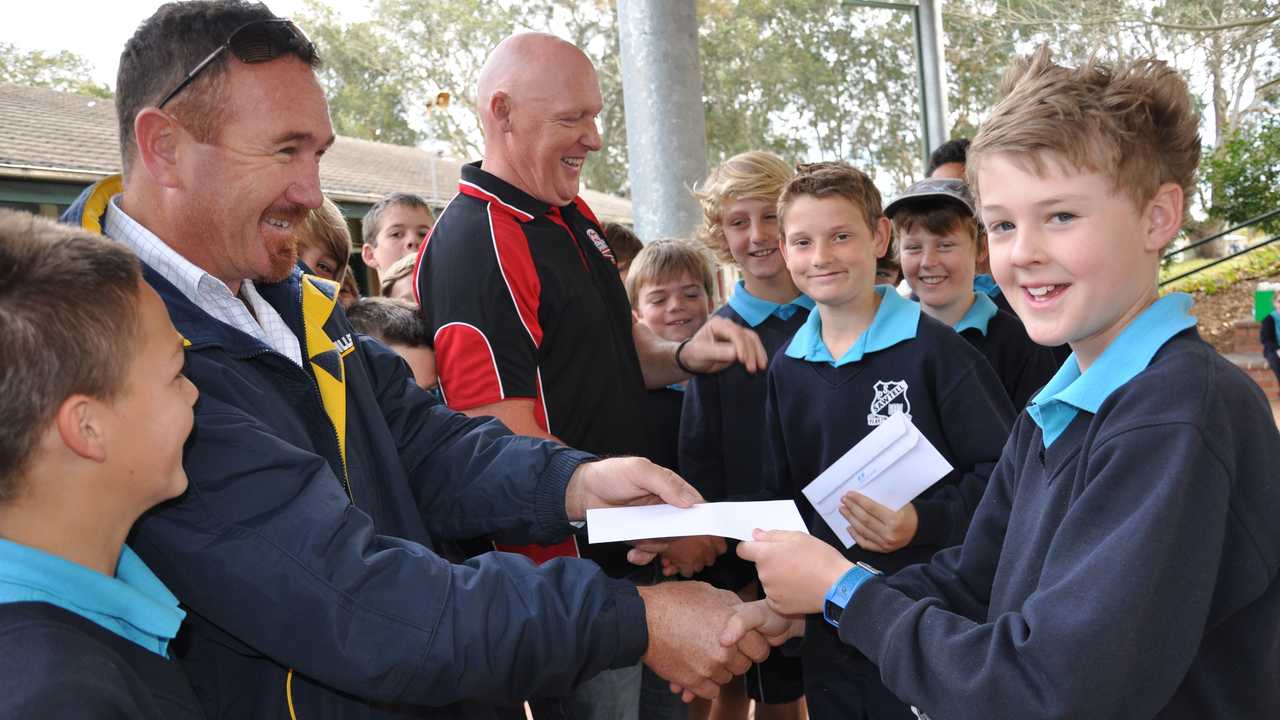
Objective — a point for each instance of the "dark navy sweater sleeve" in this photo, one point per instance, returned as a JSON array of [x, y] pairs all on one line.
[[471, 476], [701, 441], [271, 550], [1152, 575]]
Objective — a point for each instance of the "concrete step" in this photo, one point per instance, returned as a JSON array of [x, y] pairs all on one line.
[[1257, 369]]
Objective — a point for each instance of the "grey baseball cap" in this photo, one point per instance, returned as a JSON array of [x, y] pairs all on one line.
[[940, 188]]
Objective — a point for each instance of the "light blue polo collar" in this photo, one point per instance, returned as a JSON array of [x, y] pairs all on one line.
[[979, 314], [895, 321], [986, 285], [754, 310], [134, 604], [1069, 391]]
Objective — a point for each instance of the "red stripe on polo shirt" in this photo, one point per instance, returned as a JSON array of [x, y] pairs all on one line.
[[557, 218], [581, 204], [511, 247], [466, 366]]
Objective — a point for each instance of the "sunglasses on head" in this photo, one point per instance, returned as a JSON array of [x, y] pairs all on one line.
[[255, 42]]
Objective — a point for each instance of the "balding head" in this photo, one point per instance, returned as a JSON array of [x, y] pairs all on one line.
[[538, 100]]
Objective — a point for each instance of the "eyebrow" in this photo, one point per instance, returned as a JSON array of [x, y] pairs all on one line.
[[1055, 200], [302, 136]]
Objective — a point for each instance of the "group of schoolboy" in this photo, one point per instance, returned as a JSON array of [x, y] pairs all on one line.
[[1107, 551]]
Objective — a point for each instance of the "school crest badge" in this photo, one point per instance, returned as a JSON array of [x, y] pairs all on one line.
[[891, 397], [600, 244]]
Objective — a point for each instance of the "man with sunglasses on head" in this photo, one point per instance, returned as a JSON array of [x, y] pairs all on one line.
[[319, 471]]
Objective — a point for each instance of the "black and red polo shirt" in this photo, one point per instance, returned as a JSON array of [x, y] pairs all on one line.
[[524, 301]]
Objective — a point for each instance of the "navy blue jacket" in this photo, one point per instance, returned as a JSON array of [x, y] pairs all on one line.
[[57, 665], [1129, 570], [302, 548]]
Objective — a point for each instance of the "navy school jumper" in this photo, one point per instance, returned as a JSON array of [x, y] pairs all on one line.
[[1129, 570], [816, 412], [1022, 366]]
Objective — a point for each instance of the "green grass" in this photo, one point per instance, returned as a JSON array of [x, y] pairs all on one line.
[[1259, 263]]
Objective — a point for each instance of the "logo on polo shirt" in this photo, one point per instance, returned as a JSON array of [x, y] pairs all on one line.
[[891, 397], [600, 244]]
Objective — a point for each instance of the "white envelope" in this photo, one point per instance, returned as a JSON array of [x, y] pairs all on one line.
[[726, 519], [892, 465]]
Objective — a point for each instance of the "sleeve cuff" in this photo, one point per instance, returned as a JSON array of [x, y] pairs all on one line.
[[633, 629], [552, 521]]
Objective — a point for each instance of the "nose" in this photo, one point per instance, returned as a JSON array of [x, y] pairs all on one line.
[[411, 244], [591, 138], [929, 256], [821, 252], [1024, 247], [305, 189]]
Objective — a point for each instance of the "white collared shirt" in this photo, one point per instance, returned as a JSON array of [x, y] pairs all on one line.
[[204, 290]]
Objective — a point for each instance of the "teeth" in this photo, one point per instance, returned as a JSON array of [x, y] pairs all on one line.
[[283, 225], [762, 253], [1042, 290], [572, 162]]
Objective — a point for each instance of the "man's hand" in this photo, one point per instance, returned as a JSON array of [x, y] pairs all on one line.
[[686, 620], [796, 569], [623, 482], [689, 555], [876, 527], [720, 343], [773, 626]]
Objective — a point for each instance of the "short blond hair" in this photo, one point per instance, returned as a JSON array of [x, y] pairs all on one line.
[[662, 261], [398, 271], [1134, 122], [326, 230], [753, 175]]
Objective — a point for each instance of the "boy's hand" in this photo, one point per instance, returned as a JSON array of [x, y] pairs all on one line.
[[689, 555], [876, 527], [775, 627], [796, 569]]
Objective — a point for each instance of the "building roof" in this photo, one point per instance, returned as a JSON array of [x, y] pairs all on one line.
[[51, 135]]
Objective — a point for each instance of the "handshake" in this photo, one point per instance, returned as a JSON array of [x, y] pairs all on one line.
[[700, 637]]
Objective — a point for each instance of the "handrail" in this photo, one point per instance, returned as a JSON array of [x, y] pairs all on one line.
[[1228, 231], [1221, 260]]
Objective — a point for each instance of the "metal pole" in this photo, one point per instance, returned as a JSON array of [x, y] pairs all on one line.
[[666, 125], [933, 85]]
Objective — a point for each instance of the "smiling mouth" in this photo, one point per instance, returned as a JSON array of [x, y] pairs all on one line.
[[278, 223], [575, 162], [932, 280], [677, 323], [762, 253], [1040, 293]]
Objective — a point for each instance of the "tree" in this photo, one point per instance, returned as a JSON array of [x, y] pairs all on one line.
[[63, 71], [1245, 173]]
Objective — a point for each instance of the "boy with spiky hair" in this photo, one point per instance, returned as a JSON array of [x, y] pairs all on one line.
[[94, 411], [864, 355], [1124, 561]]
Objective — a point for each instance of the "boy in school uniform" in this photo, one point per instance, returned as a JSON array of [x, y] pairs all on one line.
[[94, 411], [722, 424], [938, 246], [864, 355], [1124, 560], [670, 286], [1270, 342]]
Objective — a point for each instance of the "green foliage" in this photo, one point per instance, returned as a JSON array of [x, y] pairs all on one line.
[[1264, 262], [63, 71], [1245, 173]]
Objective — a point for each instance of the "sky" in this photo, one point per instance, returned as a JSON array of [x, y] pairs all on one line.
[[93, 29]]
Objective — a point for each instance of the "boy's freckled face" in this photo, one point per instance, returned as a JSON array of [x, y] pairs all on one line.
[[152, 415], [752, 233], [400, 232], [831, 251], [673, 310], [1067, 250], [939, 268]]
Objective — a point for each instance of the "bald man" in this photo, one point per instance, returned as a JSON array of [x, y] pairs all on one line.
[[530, 320]]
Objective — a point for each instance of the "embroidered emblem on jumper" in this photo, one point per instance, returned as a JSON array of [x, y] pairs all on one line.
[[891, 395], [344, 344], [600, 244]]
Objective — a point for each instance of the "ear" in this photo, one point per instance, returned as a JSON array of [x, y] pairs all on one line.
[[366, 254], [883, 232], [157, 136], [80, 423], [635, 316], [1163, 216], [980, 256], [500, 108]]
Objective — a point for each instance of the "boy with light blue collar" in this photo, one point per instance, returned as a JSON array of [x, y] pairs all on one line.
[[938, 245], [864, 355], [1125, 560], [94, 411]]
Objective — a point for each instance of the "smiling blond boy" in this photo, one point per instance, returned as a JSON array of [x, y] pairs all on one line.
[[1124, 560]]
